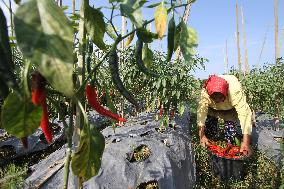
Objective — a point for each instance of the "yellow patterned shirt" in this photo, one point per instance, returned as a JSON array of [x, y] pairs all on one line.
[[235, 99]]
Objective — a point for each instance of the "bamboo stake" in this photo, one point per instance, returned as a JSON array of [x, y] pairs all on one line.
[[73, 6], [122, 30], [79, 121], [276, 30], [246, 64], [238, 40], [262, 47]]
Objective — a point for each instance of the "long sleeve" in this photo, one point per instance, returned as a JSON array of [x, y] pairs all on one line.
[[202, 109], [238, 100]]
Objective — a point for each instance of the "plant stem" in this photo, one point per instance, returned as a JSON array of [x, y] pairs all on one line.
[[69, 133]]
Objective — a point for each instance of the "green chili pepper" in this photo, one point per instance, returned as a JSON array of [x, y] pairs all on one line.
[[139, 61], [114, 70], [171, 38]]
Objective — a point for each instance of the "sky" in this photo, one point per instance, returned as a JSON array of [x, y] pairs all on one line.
[[215, 22]]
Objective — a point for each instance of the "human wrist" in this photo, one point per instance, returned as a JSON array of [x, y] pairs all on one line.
[[201, 132], [246, 139]]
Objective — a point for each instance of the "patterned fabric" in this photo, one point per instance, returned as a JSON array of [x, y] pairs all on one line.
[[211, 129], [230, 131], [216, 84]]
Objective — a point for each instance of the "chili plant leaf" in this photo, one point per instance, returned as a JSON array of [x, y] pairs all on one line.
[[20, 117], [188, 41], [43, 39], [110, 31], [161, 17], [177, 36], [7, 77], [86, 162], [146, 36], [147, 56], [131, 9], [96, 26], [153, 5]]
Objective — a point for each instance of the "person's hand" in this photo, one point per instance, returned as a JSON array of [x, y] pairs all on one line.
[[204, 141], [245, 149]]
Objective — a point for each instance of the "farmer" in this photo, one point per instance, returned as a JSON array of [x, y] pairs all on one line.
[[222, 97]]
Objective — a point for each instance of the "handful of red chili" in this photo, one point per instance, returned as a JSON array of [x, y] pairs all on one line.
[[223, 149]]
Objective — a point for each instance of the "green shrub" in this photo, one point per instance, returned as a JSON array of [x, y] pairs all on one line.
[[12, 176]]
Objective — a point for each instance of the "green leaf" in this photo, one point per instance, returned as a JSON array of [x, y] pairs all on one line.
[[146, 36], [161, 18], [131, 9], [7, 77], [86, 162], [188, 41], [178, 94], [147, 56], [96, 26], [142, 2], [177, 36], [110, 31], [20, 117], [110, 104], [112, 1], [153, 5], [164, 82], [42, 38], [181, 109]]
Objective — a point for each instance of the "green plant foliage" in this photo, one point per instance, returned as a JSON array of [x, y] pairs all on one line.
[[146, 36], [264, 88], [95, 26], [132, 10], [7, 77], [41, 37], [86, 162], [147, 56], [13, 176], [110, 31], [188, 42], [20, 117]]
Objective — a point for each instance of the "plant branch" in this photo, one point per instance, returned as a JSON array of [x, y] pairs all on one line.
[[111, 16]]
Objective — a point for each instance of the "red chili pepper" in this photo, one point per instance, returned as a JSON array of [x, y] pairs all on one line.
[[234, 150], [39, 98], [92, 96], [25, 142], [44, 124], [161, 111]]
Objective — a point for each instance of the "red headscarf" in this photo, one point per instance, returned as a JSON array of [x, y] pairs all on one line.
[[216, 84]]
